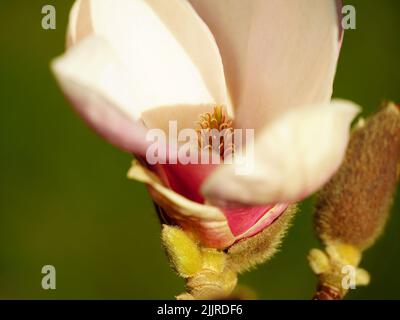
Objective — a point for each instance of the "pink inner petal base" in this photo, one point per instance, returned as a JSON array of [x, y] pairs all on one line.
[[187, 179]]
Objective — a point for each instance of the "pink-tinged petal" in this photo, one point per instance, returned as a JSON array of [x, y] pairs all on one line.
[[173, 63], [212, 226], [265, 221], [277, 54], [205, 223], [339, 6], [96, 83], [247, 221], [185, 179], [293, 157]]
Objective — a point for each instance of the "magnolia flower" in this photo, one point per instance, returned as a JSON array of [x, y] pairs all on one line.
[[134, 65]]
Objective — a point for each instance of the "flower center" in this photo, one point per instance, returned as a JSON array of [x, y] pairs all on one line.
[[215, 132]]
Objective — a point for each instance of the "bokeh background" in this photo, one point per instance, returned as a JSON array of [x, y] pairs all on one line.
[[65, 200]]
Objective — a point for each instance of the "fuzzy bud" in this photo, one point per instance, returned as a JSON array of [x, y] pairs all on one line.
[[204, 269], [354, 206], [183, 252]]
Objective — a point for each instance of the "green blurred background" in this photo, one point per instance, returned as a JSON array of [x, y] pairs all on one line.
[[65, 200]]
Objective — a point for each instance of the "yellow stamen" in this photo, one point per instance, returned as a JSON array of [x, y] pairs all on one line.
[[208, 124]]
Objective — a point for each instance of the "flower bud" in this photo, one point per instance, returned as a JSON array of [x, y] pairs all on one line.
[[354, 206]]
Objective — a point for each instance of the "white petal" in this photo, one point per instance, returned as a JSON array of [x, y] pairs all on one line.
[[72, 23], [293, 157], [195, 37], [277, 54], [96, 82], [170, 54]]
